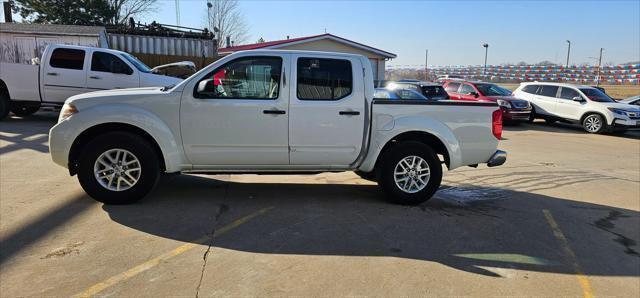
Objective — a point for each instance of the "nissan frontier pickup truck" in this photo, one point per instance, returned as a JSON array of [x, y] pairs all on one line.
[[271, 112]]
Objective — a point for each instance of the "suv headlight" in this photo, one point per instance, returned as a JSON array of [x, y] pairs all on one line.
[[618, 111], [67, 110], [503, 103]]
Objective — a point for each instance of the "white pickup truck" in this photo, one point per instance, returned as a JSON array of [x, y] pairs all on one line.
[[271, 112], [67, 70]]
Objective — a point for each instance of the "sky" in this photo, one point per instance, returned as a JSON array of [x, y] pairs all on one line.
[[452, 31]]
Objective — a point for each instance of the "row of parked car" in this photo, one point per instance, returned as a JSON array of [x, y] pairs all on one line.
[[588, 106]]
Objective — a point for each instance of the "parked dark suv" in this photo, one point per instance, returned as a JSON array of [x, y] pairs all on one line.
[[432, 91]]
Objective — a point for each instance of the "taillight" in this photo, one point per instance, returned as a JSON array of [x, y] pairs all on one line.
[[496, 123]]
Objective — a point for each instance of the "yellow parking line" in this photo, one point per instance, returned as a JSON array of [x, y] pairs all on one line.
[[582, 278], [97, 288]]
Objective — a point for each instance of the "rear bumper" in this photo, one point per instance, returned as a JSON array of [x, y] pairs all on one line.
[[497, 159]]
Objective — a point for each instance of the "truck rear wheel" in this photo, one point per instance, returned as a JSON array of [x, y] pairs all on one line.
[[118, 168], [410, 173], [22, 110]]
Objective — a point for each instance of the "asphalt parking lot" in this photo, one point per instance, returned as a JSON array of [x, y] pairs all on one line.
[[560, 218]]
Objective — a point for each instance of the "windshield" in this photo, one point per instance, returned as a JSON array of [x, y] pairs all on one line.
[[492, 90], [137, 63], [596, 95]]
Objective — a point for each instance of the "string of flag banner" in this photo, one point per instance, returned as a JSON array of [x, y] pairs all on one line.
[[622, 74]]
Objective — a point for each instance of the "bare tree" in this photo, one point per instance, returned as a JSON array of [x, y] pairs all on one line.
[[124, 9], [225, 17]]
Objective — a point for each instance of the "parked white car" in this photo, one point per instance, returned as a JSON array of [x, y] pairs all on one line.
[[269, 111], [66, 70], [585, 105]]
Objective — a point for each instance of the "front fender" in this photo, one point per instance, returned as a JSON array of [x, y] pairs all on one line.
[[413, 124], [64, 133]]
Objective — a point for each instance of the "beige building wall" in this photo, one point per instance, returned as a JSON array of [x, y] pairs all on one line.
[[377, 61]]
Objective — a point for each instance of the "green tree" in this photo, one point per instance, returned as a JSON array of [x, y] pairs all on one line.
[[70, 12], [81, 12]]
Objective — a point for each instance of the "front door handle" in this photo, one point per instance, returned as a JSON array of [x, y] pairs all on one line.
[[52, 73], [349, 113], [94, 77], [274, 112]]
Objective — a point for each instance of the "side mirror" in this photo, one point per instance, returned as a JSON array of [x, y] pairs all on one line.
[[475, 94], [577, 98], [207, 86]]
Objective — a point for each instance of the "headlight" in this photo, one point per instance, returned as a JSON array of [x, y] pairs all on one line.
[[503, 103], [618, 111], [68, 109]]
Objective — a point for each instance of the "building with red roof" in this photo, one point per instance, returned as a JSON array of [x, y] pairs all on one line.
[[323, 42]]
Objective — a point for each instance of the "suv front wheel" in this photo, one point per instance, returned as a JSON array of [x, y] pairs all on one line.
[[594, 123], [118, 168]]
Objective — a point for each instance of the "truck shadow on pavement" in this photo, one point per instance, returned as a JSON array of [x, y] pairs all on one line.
[[479, 230]]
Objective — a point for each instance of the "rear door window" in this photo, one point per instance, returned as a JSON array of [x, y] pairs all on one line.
[[549, 91], [323, 79], [568, 93], [452, 87], [67, 58]]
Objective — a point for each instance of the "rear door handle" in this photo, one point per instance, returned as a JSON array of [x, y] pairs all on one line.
[[274, 112], [52, 73], [350, 113], [94, 77]]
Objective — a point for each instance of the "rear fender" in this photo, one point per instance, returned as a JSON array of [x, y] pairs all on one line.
[[414, 124]]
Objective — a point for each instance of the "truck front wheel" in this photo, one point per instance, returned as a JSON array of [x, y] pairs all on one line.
[[410, 173], [118, 168]]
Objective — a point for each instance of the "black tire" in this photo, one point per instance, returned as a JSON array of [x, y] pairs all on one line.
[[370, 176], [589, 122], [21, 110], [387, 169], [139, 147], [532, 116], [4, 103]]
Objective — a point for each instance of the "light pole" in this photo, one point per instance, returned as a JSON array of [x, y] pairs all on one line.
[[568, 51], [426, 70], [599, 66], [486, 51], [209, 5]]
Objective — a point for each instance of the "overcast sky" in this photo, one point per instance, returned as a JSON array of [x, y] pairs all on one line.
[[453, 31]]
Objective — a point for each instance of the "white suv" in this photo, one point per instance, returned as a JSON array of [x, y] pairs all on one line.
[[588, 106]]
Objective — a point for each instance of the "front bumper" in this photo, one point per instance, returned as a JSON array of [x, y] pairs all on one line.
[[516, 114], [626, 123], [60, 138], [497, 159]]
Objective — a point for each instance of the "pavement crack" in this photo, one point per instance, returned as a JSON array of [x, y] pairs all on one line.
[[222, 208], [606, 224]]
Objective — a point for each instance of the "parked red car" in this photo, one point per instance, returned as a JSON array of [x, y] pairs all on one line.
[[513, 109]]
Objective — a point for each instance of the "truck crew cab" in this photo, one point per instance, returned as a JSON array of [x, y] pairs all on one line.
[[270, 111]]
